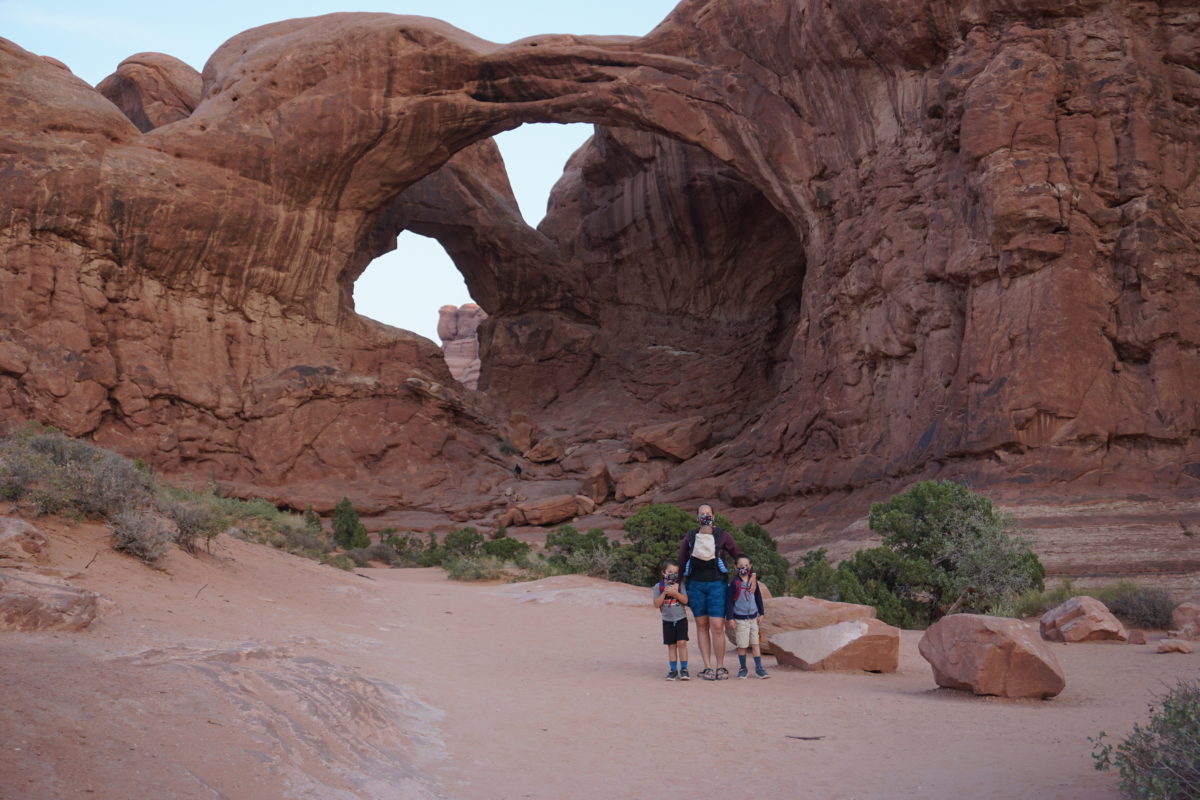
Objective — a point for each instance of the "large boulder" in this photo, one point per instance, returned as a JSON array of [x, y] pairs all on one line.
[[547, 450], [549, 510], [1185, 621], [44, 604], [806, 613], [19, 540], [1082, 619], [678, 440], [638, 480], [1174, 646], [862, 644], [991, 655], [597, 483]]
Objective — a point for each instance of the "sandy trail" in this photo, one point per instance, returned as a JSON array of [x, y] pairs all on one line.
[[254, 674]]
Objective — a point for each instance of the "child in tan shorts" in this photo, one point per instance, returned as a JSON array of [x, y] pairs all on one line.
[[744, 605]]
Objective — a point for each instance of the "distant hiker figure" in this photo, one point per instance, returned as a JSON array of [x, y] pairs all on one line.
[[706, 571], [517, 471]]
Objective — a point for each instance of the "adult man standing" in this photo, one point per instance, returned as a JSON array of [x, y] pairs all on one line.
[[700, 558]]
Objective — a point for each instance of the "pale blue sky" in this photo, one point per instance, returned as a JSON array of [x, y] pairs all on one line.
[[404, 288]]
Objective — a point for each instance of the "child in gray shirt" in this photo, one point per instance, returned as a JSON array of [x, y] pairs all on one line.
[[670, 598]]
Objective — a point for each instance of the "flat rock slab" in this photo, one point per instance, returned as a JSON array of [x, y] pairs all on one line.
[[44, 604], [1174, 646], [991, 655], [862, 644], [576, 590], [1082, 619]]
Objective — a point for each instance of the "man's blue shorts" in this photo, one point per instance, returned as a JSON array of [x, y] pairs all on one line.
[[707, 598]]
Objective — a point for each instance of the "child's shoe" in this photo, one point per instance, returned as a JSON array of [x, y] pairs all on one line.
[[760, 672], [673, 675], [683, 675], [742, 672]]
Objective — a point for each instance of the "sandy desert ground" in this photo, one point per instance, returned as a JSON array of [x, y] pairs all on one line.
[[249, 673]]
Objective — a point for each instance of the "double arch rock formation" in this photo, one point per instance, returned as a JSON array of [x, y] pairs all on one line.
[[869, 241]]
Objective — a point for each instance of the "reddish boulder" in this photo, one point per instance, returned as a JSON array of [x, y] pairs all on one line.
[[1137, 637], [44, 604], [678, 440], [1082, 619], [19, 540], [521, 432], [638, 480], [1186, 620], [864, 644], [597, 483], [807, 613], [549, 510], [1174, 646], [547, 450], [991, 655]]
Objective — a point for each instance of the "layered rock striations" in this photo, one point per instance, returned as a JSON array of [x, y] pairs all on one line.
[[868, 242], [457, 327]]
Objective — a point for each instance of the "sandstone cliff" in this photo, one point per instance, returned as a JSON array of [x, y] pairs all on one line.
[[870, 241]]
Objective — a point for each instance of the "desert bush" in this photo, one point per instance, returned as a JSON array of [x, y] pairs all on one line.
[[1144, 608], [312, 522], [566, 540], [652, 535], [58, 474], [956, 552], [814, 576], [1161, 760], [462, 542], [142, 534], [596, 563], [193, 520], [505, 548], [340, 561], [474, 568]]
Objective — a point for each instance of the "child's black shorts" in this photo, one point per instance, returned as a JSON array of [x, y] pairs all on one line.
[[675, 631]]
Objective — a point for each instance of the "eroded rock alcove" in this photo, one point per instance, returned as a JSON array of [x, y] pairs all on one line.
[[866, 243]]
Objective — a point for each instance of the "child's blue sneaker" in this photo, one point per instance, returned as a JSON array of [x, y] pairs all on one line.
[[673, 675], [760, 672], [742, 672], [683, 675]]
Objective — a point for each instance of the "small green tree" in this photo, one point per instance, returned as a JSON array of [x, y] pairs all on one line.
[[505, 548], [345, 523], [956, 550], [361, 538], [463, 542], [653, 534]]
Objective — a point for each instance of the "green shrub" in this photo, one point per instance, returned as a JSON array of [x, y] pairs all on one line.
[[141, 534], [506, 548], [474, 568], [58, 474], [345, 524], [341, 561], [193, 520], [653, 534], [956, 552], [587, 553], [1144, 608], [1160, 761], [462, 542], [815, 576]]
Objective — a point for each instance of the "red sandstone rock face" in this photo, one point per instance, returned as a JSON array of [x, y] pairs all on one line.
[[456, 328], [44, 603], [153, 89], [868, 242]]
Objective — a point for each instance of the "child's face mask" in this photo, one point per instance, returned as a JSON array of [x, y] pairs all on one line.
[[705, 519], [671, 577], [743, 571]]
